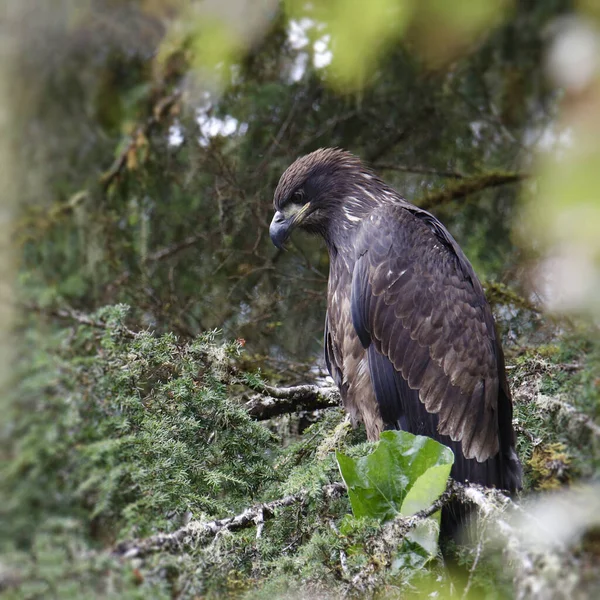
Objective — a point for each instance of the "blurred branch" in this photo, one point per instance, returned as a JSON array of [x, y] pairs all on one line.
[[278, 137], [326, 127], [421, 170], [389, 144], [384, 146], [498, 293], [70, 314], [467, 186], [553, 403], [161, 109], [199, 532], [168, 251]]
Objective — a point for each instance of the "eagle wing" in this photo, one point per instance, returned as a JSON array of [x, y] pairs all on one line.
[[419, 309]]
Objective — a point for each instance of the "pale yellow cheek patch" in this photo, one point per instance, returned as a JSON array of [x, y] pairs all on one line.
[[295, 213]]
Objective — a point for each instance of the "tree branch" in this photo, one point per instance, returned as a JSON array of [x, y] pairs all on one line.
[[274, 401], [569, 411], [168, 251], [421, 170], [70, 314], [491, 504], [200, 532], [161, 109], [467, 186], [498, 293]]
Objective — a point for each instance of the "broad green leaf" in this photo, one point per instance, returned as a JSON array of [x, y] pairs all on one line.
[[426, 489], [424, 492], [403, 475]]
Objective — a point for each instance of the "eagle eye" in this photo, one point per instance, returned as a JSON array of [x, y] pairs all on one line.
[[297, 197]]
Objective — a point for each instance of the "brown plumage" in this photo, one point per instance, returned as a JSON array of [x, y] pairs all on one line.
[[409, 336]]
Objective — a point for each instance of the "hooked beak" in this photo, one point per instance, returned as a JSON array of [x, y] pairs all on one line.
[[281, 227], [279, 230]]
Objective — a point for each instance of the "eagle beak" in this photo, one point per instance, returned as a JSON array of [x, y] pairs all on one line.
[[279, 230], [281, 227]]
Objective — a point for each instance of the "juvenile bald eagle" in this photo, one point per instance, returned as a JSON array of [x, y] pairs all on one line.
[[409, 336]]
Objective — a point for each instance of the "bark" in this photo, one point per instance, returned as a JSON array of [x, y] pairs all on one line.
[[274, 401]]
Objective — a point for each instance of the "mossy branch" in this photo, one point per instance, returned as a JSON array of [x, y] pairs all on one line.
[[417, 170], [498, 293], [197, 533], [274, 401], [466, 186], [491, 505]]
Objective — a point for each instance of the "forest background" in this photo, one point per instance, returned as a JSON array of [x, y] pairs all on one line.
[[150, 328]]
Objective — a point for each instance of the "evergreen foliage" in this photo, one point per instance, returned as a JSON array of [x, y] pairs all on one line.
[[134, 432], [142, 228]]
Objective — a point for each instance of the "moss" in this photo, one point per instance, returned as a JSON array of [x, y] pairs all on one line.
[[549, 466]]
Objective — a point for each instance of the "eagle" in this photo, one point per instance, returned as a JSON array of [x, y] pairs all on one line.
[[410, 339]]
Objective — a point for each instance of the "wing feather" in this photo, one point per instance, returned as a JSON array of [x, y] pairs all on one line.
[[415, 294]]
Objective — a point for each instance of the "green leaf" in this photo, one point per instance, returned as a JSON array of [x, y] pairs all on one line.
[[405, 474], [424, 492]]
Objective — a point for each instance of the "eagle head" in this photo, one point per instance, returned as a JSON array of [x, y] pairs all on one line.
[[311, 190]]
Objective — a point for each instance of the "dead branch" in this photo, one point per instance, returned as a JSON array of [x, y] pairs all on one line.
[[200, 532]]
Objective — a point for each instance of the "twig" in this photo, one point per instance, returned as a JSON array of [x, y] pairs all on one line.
[[81, 318], [200, 532], [326, 127], [343, 557], [480, 543], [386, 145], [169, 251], [536, 441], [277, 139]]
